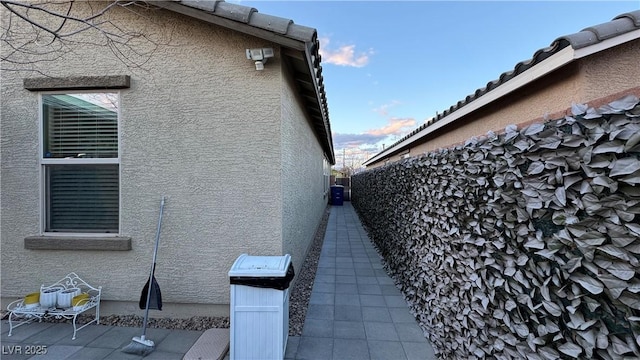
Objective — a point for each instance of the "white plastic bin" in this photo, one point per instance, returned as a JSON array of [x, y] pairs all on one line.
[[259, 306]]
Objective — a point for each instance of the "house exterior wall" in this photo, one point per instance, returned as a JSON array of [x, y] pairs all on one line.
[[303, 196], [613, 71], [609, 72], [200, 125]]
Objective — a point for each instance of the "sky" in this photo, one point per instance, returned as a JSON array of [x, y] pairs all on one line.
[[389, 66]]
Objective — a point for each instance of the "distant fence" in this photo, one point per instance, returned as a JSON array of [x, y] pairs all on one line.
[[523, 245]]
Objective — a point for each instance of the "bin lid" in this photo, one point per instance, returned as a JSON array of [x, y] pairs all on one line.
[[260, 266]]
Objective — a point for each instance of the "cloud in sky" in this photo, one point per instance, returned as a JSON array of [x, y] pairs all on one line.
[[372, 137], [384, 108], [341, 141], [396, 126], [344, 55]]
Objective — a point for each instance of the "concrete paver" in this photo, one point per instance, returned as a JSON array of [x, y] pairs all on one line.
[[355, 310], [95, 342]]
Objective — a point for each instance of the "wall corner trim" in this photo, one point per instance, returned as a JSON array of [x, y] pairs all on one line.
[[77, 243], [78, 83]]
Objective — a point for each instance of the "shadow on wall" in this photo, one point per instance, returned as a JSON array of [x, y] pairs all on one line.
[[522, 245]]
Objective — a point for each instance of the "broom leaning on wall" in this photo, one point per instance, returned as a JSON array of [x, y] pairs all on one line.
[[150, 298]]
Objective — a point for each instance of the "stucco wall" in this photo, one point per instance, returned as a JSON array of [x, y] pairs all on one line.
[[589, 79], [612, 71], [199, 125], [302, 175]]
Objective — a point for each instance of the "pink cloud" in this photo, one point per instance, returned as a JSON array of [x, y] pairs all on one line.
[[371, 138], [396, 126], [343, 56]]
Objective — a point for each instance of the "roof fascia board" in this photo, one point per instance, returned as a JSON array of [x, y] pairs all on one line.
[[314, 79], [606, 44], [230, 24], [548, 65], [323, 114]]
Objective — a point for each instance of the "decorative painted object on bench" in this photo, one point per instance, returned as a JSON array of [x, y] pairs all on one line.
[[65, 296], [49, 296], [32, 300], [80, 301], [23, 311]]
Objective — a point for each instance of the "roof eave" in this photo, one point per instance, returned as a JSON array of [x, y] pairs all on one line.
[[607, 44], [309, 54], [552, 63], [231, 24]]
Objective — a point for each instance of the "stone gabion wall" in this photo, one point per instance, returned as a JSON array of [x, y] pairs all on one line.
[[522, 245]]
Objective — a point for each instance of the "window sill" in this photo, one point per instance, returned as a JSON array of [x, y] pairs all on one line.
[[77, 243]]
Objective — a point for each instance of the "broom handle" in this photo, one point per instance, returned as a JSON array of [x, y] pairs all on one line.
[[153, 270]]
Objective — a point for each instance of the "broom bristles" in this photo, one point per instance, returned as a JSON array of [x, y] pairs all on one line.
[[139, 346]]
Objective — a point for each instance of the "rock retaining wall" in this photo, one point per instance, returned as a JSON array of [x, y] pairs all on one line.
[[522, 245]]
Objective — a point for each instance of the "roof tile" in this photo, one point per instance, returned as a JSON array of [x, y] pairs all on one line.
[[633, 16], [271, 23], [206, 5], [234, 12], [302, 33], [577, 40], [594, 34], [612, 29]]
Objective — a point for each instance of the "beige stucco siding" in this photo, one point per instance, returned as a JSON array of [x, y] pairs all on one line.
[[302, 175], [612, 71], [199, 125]]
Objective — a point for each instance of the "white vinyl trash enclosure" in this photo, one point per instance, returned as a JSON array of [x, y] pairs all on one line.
[[259, 308]]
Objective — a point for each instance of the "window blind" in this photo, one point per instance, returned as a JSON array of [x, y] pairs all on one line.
[[78, 128], [81, 196]]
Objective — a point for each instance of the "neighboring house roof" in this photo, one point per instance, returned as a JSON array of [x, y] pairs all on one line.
[[300, 47], [565, 49]]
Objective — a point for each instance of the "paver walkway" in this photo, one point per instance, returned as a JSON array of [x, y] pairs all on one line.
[[355, 310], [95, 342]]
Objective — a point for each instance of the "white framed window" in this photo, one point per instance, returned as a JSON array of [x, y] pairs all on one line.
[[80, 162]]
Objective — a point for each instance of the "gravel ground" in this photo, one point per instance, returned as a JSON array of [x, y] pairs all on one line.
[[298, 300], [299, 295]]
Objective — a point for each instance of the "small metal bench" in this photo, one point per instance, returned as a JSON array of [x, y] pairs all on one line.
[[23, 314]]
